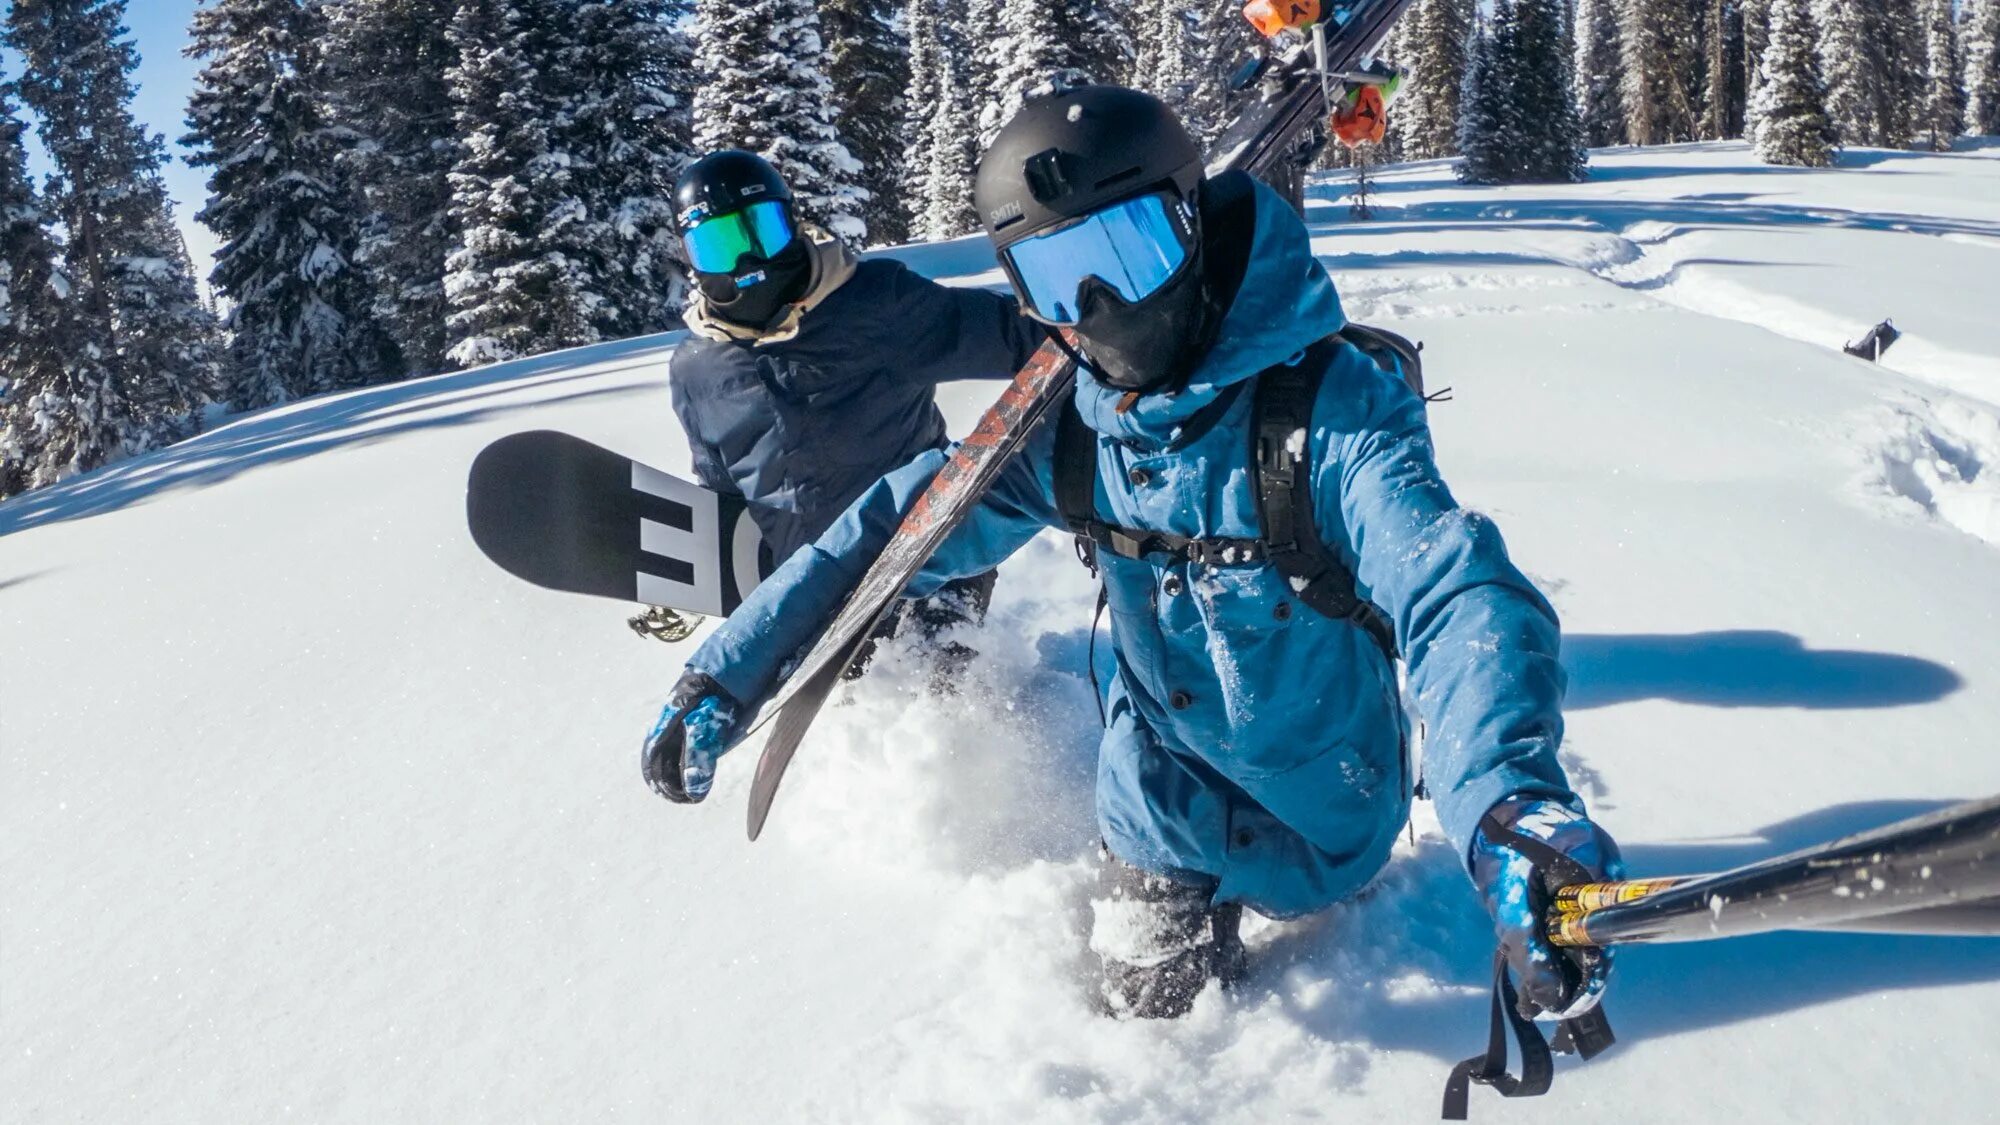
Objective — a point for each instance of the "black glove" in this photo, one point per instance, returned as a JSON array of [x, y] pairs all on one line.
[[696, 727]]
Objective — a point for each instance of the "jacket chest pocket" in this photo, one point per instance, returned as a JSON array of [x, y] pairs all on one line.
[[1243, 601]]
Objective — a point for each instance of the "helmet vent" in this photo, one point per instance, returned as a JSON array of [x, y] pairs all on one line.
[[1116, 178]]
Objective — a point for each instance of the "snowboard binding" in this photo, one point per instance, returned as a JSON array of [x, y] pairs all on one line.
[[1357, 99], [666, 625]]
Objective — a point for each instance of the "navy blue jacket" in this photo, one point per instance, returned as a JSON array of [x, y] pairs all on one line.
[[800, 427]]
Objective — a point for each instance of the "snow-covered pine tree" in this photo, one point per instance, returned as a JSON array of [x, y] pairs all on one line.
[[1739, 90], [1026, 54], [59, 403], [1543, 91], [968, 32], [301, 318], [1756, 15], [1165, 50], [1660, 49], [1430, 46], [165, 325], [868, 63], [1485, 118], [1103, 36], [1851, 45], [137, 301], [1983, 70], [513, 291], [1906, 72], [1220, 40], [622, 88], [1600, 73], [954, 156], [386, 63], [1038, 43], [1944, 96], [938, 159], [927, 61], [29, 284], [1792, 125], [1145, 20], [764, 88], [1518, 121], [1722, 33]]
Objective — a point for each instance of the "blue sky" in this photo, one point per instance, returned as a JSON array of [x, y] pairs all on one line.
[[165, 78]]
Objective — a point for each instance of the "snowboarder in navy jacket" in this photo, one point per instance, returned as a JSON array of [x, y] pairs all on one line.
[[809, 375], [1256, 752]]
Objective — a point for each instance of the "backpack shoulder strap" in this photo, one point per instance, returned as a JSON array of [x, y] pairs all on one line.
[[1076, 468], [1076, 480], [1391, 352], [1292, 543]]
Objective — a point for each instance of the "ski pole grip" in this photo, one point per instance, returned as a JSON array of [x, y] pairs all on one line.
[[1569, 915]]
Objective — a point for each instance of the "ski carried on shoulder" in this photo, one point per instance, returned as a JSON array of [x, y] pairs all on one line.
[[1325, 52]]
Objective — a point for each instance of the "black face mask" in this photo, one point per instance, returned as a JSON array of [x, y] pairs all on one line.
[[1155, 344], [779, 283]]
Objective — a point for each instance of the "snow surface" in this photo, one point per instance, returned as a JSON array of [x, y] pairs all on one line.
[[308, 812]]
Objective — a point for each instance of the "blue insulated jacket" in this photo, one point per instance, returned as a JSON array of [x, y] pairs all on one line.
[[801, 426], [1249, 737]]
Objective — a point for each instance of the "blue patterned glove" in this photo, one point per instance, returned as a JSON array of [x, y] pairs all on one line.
[[1518, 879], [698, 724]]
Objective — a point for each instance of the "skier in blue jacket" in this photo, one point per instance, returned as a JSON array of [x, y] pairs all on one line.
[[808, 374], [1256, 751]]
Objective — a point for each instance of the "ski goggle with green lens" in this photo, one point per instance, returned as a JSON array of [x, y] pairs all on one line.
[[718, 243], [1134, 248]]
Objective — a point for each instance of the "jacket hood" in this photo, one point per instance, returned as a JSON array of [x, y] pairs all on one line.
[[1285, 303], [832, 264]]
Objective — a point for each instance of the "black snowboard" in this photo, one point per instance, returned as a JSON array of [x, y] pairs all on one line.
[[568, 515]]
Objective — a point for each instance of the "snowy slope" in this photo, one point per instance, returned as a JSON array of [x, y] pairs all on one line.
[[308, 812]]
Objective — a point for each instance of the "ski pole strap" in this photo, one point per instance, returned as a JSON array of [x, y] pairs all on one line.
[[1561, 869], [1538, 1067], [1586, 1035]]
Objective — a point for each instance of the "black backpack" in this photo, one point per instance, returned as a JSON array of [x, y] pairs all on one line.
[[1283, 415]]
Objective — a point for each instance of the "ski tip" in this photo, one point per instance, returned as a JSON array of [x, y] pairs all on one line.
[[759, 812]]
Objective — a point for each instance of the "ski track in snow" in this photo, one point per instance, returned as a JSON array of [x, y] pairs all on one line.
[[387, 856], [1653, 256]]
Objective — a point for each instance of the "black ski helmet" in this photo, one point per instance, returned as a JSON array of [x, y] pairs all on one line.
[[756, 292], [726, 181], [1069, 153]]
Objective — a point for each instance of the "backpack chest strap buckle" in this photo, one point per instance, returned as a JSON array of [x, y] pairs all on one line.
[[1224, 552]]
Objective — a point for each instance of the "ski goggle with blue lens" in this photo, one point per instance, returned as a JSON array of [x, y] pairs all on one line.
[[717, 244], [1134, 247]]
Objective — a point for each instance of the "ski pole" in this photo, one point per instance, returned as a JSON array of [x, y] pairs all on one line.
[[1938, 870]]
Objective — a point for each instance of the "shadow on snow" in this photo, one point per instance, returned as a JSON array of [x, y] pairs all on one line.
[[1744, 668], [316, 425]]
